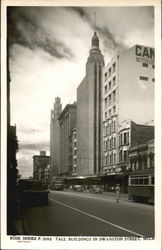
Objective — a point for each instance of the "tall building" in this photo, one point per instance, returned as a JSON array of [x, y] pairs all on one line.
[[128, 94], [40, 166], [89, 114], [73, 152], [55, 138], [67, 121]]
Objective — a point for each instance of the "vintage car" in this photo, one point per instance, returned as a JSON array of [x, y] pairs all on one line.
[[78, 188], [96, 189]]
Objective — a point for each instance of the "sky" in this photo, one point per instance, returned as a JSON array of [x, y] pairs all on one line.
[[48, 50]]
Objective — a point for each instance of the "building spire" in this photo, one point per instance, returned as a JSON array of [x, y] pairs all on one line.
[[95, 41], [95, 21]]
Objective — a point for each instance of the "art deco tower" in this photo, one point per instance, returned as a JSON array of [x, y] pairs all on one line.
[[55, 138], [89, 114]]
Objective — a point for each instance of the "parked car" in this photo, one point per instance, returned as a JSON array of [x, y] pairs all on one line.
[[78, 188], [96, 189]]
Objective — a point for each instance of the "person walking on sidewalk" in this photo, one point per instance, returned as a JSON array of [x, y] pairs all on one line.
[[117, 190]]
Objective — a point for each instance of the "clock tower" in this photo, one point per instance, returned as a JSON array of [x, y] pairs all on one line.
[[55, 138]]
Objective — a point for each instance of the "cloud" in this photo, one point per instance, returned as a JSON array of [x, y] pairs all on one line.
[[25, 28], [43, 146], [49, 47], [117, 26]]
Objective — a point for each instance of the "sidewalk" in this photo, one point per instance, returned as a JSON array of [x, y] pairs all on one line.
[[104, 194], [113, 194]]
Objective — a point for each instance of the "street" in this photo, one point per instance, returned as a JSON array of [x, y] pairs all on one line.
[[83, 214]]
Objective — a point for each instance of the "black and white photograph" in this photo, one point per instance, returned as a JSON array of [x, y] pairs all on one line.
[[81, 115]]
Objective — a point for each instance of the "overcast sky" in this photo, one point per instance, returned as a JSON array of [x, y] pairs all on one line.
[[48, 49]]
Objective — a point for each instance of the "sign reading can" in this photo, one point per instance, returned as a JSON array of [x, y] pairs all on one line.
[[144, 54]]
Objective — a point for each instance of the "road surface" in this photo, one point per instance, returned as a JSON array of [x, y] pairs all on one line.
[[85, 214]]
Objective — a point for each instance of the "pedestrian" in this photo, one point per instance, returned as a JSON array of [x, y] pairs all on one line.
[[117, 192]]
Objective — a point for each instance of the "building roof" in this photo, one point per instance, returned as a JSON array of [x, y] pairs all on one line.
[[67, 107]]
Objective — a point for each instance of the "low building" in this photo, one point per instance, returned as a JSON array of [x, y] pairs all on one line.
[[141, 156], [41, 166], [130, 135]]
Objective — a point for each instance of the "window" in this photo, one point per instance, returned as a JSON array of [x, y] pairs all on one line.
[[114, 158], [105, 115], [105, 76], [125, 155], [75, 144], [114, 80], [75, 152], [106, 102], [110, 85], [114, 96], [114, 142], [114, 110], [105, 160], [121, 139], [144, 64], [114, 123], [114, 67], [125, 138], [109, 116], [153, 79], [106, 89], [143, 78], [110, 142], [120, 156], [153, 66], [110, 159], [139, 180], [109, 71], [104, 145], [109, 99]]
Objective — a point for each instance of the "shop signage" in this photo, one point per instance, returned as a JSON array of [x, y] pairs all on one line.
[[144, 54]]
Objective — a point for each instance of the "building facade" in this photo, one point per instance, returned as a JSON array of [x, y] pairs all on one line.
[[73, 152], [67, 122], [89, 114], [128, 94], [55, 139], [141, 156], [130, 135], [41, 166]]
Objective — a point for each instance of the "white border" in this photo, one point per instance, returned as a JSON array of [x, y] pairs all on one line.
[[149, 245]]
